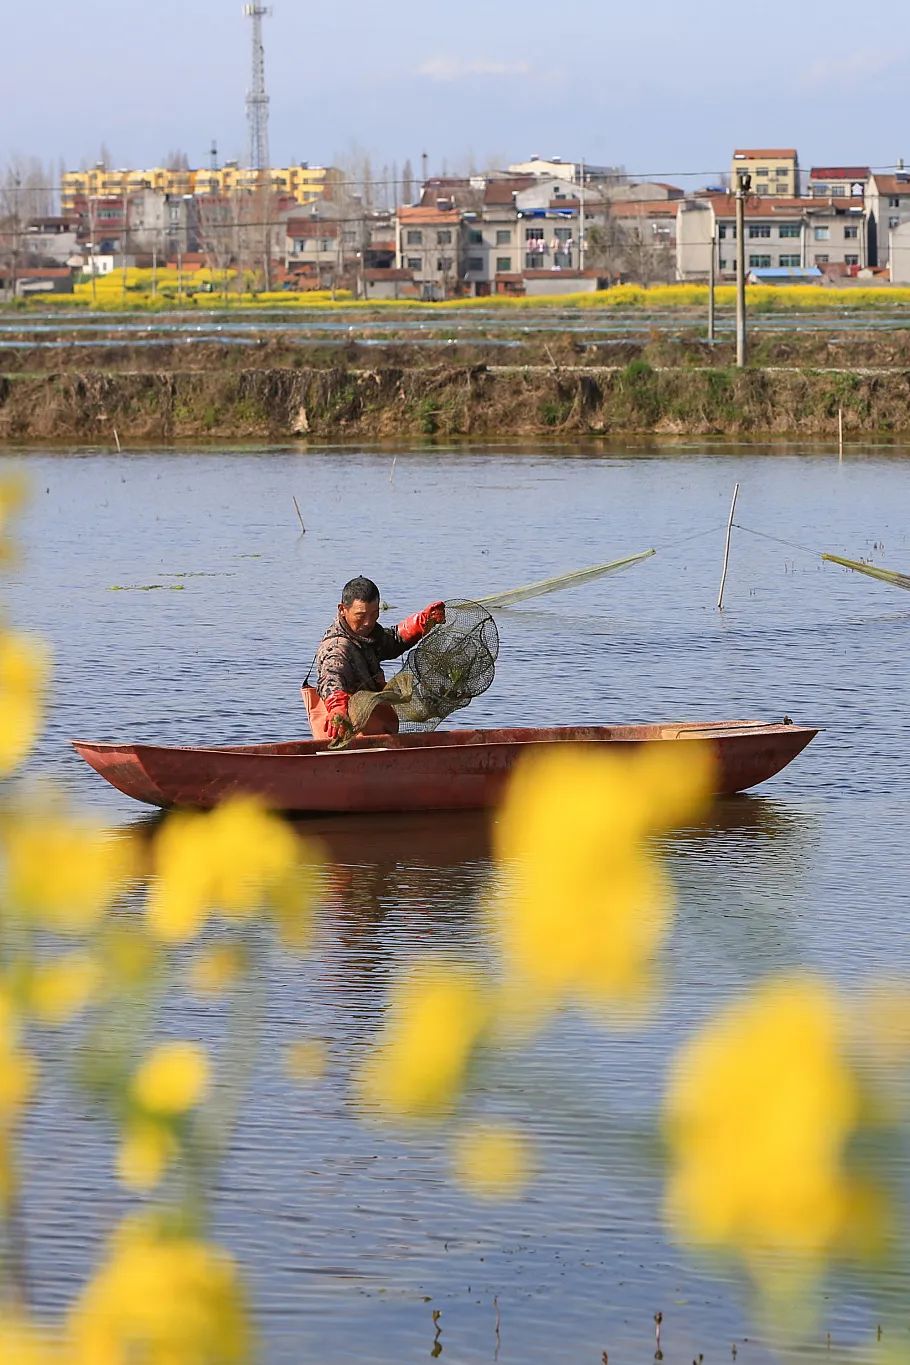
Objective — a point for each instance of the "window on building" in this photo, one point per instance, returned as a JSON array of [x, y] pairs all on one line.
[[722, 263], [727, 230], [821, 234], [443, 263], [789, 230], [413, 263], [761, 170], [838, 191], [780, 187], [563, 234], [414, 237], [475, 264], [759, 230], [562, 258], [503, 264], [851, 233], [781, 171], [444, 237], [893, 221], [894, 203], [792, 259], [821, 258], [761, 187], [533, 234], [759, 262], [325, 244], [533, 261], [475, 236], [503, 237], [851, 260]]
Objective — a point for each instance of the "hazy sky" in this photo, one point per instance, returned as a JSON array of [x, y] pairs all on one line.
[[661, 87]]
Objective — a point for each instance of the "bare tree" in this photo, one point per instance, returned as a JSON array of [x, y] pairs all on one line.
[[176, 160], [25, 193], [407, 183]]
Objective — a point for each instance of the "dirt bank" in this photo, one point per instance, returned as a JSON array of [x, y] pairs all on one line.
[[447, 400]]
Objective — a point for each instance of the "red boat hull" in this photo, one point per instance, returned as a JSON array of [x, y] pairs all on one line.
[[445, 770]]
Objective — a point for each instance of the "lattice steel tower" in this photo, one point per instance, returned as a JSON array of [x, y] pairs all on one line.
[[257, 101]]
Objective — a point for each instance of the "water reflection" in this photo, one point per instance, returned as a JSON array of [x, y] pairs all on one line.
[[347, 1230]]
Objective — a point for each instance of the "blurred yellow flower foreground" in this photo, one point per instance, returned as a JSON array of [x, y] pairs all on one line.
[[759, 1114], [590, 904], [586, 909]]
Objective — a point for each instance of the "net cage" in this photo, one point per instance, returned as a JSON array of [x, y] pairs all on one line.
[[454, 662]]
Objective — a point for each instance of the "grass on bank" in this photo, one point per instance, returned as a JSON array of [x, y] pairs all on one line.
[[135, 290]]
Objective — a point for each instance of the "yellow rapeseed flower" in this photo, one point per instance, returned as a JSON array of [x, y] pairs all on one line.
[[759, 1111], [237, 860], [492, 1161], [66, 872], [22, 1343], [60, 989], [589, 904], [18, 1077], [23, 680], [437, 1015], [172, 1079], [148, 1146], [161, 1300]]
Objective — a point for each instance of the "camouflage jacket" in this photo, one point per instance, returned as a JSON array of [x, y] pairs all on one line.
[[347, 663]]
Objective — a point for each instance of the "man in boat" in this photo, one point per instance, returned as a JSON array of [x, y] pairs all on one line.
[[350, 656]]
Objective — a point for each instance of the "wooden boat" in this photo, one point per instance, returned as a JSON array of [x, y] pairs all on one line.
[[443, 770]]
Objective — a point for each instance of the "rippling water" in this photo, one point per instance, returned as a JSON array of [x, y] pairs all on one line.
[[351, 1236]]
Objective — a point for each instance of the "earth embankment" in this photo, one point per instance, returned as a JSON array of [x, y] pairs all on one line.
[[793, 386]]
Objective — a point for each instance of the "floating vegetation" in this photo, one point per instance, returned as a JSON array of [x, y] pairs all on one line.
[[146, 587]]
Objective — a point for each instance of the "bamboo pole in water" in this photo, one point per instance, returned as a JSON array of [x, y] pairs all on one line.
[[723, 576]]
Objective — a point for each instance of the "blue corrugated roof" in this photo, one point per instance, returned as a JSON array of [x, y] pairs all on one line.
[[786, 272]]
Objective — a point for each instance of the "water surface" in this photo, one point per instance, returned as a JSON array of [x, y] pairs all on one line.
[[352, 1236]]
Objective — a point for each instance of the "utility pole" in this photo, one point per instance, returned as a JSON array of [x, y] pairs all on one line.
[[743, 185], [581, 220], [711, 282]]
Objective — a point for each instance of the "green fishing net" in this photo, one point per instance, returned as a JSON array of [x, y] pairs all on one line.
[[448, 667]]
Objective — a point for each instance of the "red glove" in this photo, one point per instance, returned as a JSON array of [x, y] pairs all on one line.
[[413, 627], [336, 703]]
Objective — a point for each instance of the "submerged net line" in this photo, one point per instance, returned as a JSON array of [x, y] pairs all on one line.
[[451, 665], [568, 580]]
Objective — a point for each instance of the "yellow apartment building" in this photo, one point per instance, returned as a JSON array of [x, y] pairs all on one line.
[[774, 170], [304, 183]]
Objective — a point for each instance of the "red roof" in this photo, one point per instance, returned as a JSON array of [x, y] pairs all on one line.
[[312, 227], [724, 205], [892, 184], [755, 153], [418, 214], [644, 208], [501, 191], [36, 273], [839, 173]]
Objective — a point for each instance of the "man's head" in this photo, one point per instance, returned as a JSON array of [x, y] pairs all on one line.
[[359, 605]]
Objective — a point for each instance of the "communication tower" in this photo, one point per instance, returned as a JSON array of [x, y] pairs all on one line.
[[257, 101]]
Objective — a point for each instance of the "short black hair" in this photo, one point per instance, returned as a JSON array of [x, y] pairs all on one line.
[[359, 589]]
